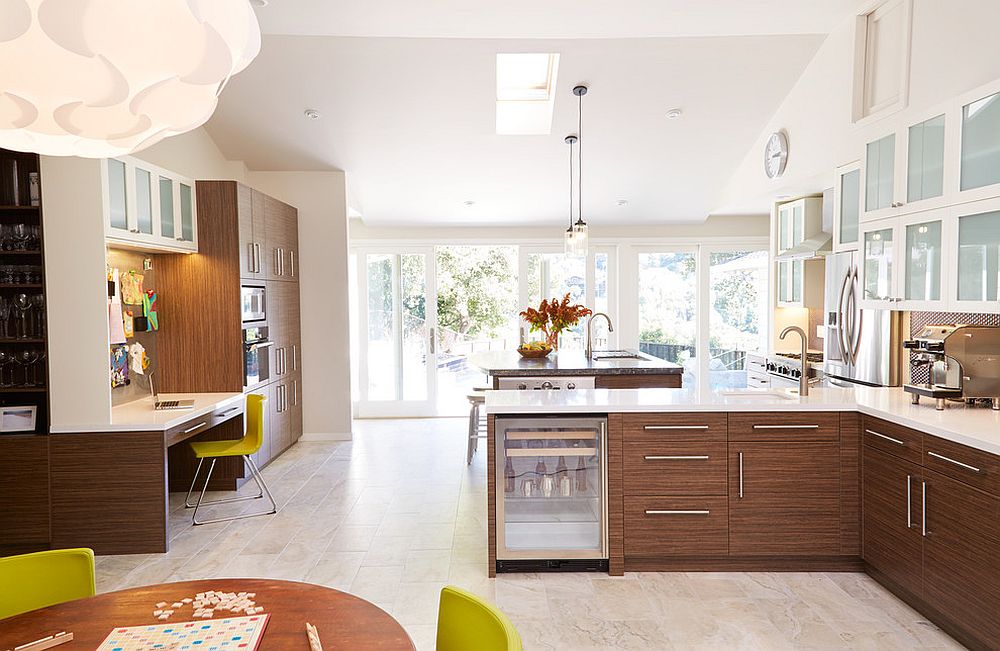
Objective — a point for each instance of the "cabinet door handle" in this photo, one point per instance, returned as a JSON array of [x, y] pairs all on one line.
[[295, 393], [786, 426], [291, 262], [252, 260], [277, 264], [295, 357], [256, 257], [950, 460], [676, 457], [883, 436], [671, 427], [676, 512], [198, 426], [741, 475], [909, 516], [923, 508]]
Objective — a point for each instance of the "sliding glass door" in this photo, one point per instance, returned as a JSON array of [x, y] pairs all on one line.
[[397, 313]]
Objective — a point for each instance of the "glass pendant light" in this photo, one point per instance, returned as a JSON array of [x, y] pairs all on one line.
[[570, 236], [580, 229]]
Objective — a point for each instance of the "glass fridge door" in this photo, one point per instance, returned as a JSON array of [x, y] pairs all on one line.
[[551, 488]]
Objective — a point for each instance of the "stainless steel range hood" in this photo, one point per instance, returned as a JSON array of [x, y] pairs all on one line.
[[816, 245]]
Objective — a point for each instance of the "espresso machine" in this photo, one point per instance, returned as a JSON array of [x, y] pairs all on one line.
[[963, 364]]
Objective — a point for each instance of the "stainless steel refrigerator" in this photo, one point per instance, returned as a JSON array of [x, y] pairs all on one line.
[[860, 346]]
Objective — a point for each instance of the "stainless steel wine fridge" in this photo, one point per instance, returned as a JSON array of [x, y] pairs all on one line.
[[552, 493]]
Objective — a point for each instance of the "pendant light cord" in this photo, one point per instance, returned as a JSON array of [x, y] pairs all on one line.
[[579, 152], [570, 185]]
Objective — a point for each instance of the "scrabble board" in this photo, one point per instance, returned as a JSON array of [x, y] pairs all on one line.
[[229, 634]]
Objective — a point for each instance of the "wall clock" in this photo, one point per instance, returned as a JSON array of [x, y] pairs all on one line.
[[775, 154]]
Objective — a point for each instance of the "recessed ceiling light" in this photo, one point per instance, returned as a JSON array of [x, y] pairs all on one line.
[[259, 3], [674, 113], [468, 203], [623, 202], [312, 114]]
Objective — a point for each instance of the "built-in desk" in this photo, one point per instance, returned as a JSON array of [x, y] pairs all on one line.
[[110, 483]]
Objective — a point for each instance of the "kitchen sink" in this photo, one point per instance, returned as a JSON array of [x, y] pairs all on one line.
[[770, 394], [615, 354]]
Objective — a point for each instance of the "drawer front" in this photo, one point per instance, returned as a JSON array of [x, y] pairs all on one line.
[[758, 381], [676, 526], [784, 426], [891, 438], [674, 468], [962, 463], [756, 364], [694, 427], [189, 428]]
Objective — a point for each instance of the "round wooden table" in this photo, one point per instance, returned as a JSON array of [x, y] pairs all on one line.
[[344, 621]]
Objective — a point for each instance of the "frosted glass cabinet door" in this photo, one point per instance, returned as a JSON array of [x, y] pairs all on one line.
[[978, 256], [922, 258], [144, 201], [878, 265], [187, 214], [783, 229], [798, 224], [166, 207], [796, 281], [850, 206], [784, 295], [925, 160], [116, 194], [879, 171], [981, 143]]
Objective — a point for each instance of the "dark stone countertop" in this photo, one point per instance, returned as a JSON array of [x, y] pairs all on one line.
[[508, 363]]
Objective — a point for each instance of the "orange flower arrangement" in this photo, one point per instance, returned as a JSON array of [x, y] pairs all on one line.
[[552, 317]]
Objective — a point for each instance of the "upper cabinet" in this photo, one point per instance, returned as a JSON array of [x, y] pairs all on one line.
[[980, 146], [147, 207], [976, 232], [281, 223], [797, 220], [905, 262], [881, 59], [847, 207]]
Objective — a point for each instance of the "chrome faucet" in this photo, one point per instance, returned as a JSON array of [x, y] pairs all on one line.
[[804, 377], [590, 340]]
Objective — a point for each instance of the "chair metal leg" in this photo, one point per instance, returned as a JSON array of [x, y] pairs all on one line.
[[255, 473], [187, 500]]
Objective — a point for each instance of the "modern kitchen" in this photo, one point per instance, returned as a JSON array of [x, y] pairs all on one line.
[[325, 329]]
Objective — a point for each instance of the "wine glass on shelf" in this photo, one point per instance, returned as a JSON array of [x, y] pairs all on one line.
[[21, 236], [40, 362], [34, 238], [4, 317], [6, 237], [27, 358], [38, 300], [5, 359], [23, 303]]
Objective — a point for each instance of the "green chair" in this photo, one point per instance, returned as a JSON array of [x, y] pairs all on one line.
[[244, 447], [467, 622], [33, 581]]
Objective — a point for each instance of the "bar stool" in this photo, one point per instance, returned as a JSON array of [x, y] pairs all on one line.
[[477, 421], [244, 447]]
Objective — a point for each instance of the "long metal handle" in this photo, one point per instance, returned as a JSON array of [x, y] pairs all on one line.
[[887, 438], [295, 357], [673, 427], [856, 327], [256, 263], [845, 352], [909, 514], [583, 435], [741, 475], [231, 410], [923, 508], [676, 457], [295, 393], [198, 426], [291, 261], [676, 512], [551, 452], [786, 426], [251, 261], [950, 460]]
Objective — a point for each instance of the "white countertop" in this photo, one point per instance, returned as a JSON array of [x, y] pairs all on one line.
[[977, 427], [139, 415]]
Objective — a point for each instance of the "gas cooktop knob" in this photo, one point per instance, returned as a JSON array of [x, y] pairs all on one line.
[[546, 384]]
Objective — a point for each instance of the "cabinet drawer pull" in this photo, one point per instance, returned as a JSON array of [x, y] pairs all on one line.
[[786, 426], [957, 463], [674, 512], [676, 457], [883, 436], [659, 427], [198, 426], [909, 516], [923, 508], [231, 410], [741, 475]]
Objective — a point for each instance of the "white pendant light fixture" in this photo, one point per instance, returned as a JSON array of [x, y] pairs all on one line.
[[569, 238], [581, 235], [99, 78]]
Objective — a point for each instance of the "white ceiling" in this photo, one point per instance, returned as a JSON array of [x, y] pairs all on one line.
[[551, 18], [412, 122]]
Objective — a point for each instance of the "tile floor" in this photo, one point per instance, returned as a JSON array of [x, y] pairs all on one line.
[[396, 514]]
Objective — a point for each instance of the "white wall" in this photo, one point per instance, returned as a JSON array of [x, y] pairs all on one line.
[[954, 50], [323, 258], [76, 299]]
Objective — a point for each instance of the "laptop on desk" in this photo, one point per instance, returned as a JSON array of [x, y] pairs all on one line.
[[165, 405]]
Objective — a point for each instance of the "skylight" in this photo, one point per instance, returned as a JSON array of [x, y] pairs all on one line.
[[525, 92]]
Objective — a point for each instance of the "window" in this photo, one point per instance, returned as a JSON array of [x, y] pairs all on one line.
[[737, 318], [882, 54]]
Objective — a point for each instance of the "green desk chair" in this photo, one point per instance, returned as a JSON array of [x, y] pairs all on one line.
[[467, 622], [244, 447], [33, 581]]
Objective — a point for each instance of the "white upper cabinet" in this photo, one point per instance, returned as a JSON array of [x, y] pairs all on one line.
[[147, 207], [880, 176], [925, 160], [980, 150], [847, 207], [976, 232], [797, 220], [905, 262], [881, 59]]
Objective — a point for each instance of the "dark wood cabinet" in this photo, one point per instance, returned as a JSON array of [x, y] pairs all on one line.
[[281, 225], [643, 381], [892, 517], [252, 233], [784, 498], [676, 526], [24, 485]]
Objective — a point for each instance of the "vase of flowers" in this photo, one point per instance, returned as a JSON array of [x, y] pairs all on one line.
[[554, 316]]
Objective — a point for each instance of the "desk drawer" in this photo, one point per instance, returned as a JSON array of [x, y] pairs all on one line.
[[891, 438], [962, 463], [232, 411], [676, 526], [695, 427], [784, 426], [674, 467]]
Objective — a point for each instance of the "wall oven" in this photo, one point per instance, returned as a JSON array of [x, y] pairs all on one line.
[[552, 493], [254, 299], [256, 363]]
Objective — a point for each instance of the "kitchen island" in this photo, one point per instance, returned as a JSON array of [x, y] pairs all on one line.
[[625, 369], [844, 479]]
